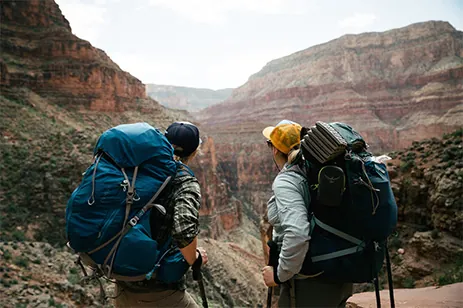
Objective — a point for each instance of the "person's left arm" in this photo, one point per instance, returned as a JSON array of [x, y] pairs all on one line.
[[186, 221], [291, 200]]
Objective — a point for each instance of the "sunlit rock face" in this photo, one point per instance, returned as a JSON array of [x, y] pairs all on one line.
[[394, 87]]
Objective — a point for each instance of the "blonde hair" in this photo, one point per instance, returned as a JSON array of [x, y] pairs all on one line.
[[293, 154]]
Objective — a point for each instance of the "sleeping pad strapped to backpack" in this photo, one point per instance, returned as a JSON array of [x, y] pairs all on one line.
[[108, 215], [353, 209]]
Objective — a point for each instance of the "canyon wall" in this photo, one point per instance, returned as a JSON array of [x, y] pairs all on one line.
[[394, 87], [39, 52]]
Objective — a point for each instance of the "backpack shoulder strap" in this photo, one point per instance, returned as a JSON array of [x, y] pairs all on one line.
[[183, 170]]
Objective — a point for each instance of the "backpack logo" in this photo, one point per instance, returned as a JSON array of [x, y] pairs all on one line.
[[332, 179]]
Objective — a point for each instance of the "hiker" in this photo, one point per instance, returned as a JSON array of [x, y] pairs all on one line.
[[288, 213], [182, 223]]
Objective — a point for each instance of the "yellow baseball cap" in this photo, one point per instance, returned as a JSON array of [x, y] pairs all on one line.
[[284, 136]]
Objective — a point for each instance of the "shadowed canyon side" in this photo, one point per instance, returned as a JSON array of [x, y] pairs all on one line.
[[40, 52], [395, 87]]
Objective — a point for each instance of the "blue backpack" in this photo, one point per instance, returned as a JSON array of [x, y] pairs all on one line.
[[108, 214], [353, 209]]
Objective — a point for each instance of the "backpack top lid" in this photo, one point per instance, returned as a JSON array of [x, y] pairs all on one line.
[[353, 138], [130, 145]]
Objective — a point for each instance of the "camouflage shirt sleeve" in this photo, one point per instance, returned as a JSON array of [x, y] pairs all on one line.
[[187, 201]]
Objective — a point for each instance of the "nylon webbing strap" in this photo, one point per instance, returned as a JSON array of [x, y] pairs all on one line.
[[341, 234], [132, 222], [138, 215], [159, 191], [337, 254], [360, 245]]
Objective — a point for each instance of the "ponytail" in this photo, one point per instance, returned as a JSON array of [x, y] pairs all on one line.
[[293, 154]]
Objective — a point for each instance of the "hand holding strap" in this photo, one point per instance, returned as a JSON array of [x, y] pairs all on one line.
[[274, 256]]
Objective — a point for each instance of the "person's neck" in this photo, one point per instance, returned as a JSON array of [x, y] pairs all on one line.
[[280, 161]]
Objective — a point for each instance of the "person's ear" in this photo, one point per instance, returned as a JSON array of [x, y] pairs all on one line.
[[275, 151]]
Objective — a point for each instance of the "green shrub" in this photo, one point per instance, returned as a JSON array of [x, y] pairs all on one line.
[[450, 277], [410, 156], [7, 254], [73, 278], [21, 261], [26, 277], [394, 242], [6, 283], [454, 273], [407, 165], [408, 283], [18, 235], [456, 134]]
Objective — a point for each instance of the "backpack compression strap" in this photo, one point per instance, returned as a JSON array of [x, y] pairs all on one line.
[[134, 220], [128, 225], [360, 245], [128, 201]]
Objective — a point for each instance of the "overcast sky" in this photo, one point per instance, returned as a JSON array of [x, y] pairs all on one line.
[[220, 43]]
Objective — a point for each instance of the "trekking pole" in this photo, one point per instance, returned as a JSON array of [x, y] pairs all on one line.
[[269, 297], [389, 277], [199, 278], [378, 298], [272, 261]]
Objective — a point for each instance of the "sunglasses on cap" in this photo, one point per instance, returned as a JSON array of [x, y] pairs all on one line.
[[269, 144]]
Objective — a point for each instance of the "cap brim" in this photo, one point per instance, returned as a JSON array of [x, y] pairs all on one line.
[[267, 131]]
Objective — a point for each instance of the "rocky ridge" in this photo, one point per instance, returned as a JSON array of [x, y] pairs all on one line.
[[427, 180]]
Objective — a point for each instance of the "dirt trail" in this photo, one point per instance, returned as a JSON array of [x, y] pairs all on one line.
[[449, 296]]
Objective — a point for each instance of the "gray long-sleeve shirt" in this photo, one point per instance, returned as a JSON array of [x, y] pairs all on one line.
[[288, 214]]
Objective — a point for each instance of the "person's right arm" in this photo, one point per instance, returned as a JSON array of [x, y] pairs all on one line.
[[191, 252]]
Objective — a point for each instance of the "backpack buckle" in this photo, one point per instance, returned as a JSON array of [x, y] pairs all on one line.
[[133, 221]]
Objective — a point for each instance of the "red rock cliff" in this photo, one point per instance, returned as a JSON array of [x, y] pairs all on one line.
[[394, 87], [39, 52]]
